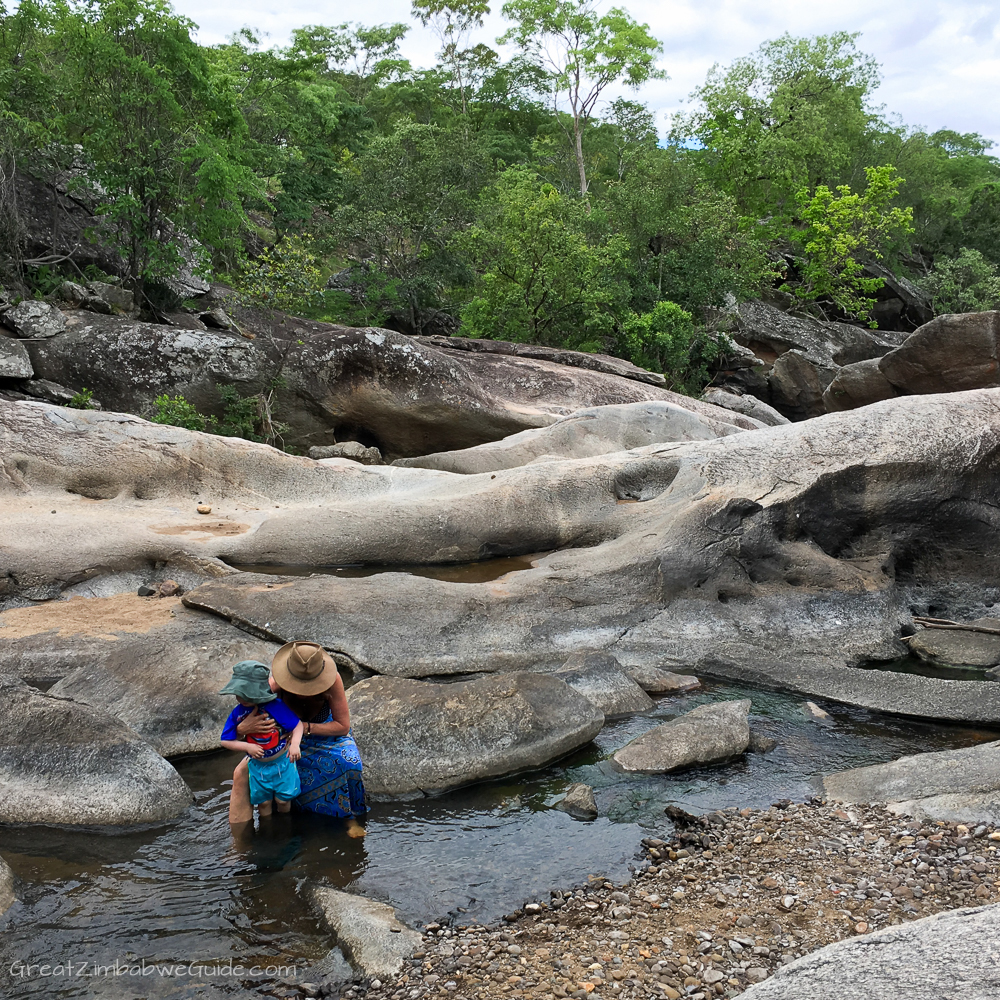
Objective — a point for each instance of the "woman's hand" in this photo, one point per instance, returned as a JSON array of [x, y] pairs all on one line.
[[255, 722]]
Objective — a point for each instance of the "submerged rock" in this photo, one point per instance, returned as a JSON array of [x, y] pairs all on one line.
[[656, 680], [601, 680], [416, 736], [579, 802], [951, 954], [8, 887], [372, 937], [960, 785], [61, 762], [706, 734], [959, 648]]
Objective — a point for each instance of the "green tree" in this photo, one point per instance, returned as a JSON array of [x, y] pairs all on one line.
[[792, 114], [453, 22], [410, 192], [540, 279], [843, 229], [965, 283], [162, 142], [583, 53], [688, 242]]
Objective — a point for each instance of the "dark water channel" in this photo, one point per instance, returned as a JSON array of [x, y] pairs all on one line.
[[184, 893]]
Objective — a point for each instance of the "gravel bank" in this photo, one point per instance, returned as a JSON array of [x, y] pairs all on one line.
[[719, 906]]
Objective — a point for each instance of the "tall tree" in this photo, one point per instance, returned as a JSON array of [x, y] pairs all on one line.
[[453, 21], [792, 114], [583, 53]]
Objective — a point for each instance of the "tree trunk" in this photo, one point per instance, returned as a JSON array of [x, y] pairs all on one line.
[[578, 149]]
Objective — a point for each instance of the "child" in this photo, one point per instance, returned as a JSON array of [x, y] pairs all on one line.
[[273, 773]]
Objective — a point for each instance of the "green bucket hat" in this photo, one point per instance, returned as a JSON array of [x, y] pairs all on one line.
[[249, 682]]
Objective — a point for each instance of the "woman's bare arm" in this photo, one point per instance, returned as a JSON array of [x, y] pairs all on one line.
[[255, 722], [336, 698]]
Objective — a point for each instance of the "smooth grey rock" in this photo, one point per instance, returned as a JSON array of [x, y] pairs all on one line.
[[163, 682], [601, 680], [8, 887], [962, 785], [656, 680], [419, 736], [951, 353], [31, 318], [749, 406], [401, 394], [121, 302], [216, 318], [797, 383], [353, 450], [944, 956], [958, 648], [14, 359], [369, 933], [579, 802], [770, 333], [706, 734], [61, 762], [597, 430], [858, 385]]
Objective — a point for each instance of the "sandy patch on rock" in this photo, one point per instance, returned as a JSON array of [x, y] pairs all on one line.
[[99, 617]]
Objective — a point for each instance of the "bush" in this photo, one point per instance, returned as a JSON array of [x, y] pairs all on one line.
[[82, 400], [966, 283], [666, 340], [178, 412], [285, 276]]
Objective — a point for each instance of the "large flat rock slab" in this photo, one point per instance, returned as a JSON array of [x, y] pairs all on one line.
[[65, 763], [960, 648], [372, 937], [417, 736], [706, 734], [150, 662], [959, 785], [948, 955], [601, 680]]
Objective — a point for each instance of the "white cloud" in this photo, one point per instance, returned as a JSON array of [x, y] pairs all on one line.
[[940, 58]]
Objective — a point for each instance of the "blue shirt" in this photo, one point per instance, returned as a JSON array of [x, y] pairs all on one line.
[[273, 742]]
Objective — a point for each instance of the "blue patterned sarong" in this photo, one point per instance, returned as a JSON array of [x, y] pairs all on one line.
[[330, 775]]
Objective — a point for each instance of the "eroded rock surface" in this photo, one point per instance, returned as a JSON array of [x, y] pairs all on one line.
[[950, 954], [416, 736], [601, 680], [706, 734], [962, 785], [61, 762], [594, 431], [152, 663]]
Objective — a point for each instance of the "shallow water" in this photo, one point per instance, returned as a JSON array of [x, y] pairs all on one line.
[[484, 571], [185, 893]]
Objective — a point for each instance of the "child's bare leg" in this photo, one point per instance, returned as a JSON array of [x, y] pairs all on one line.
[[265, 808], [354, 828], [283, 806]]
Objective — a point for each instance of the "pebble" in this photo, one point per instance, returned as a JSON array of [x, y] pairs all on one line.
[[734, 896]]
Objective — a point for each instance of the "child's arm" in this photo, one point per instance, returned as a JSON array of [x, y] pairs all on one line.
[[251, 748], [294, 753]]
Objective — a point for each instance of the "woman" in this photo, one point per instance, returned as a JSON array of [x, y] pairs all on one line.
[[306, 679]]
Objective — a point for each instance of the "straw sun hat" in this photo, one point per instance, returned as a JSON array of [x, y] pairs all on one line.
[[303, 668]]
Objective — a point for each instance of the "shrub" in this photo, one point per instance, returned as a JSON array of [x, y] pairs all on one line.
[[966, 283]]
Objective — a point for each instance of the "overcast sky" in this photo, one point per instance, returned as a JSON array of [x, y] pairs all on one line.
[[940, 60]]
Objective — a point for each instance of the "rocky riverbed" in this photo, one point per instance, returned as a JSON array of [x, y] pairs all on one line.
[[714, 909]]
